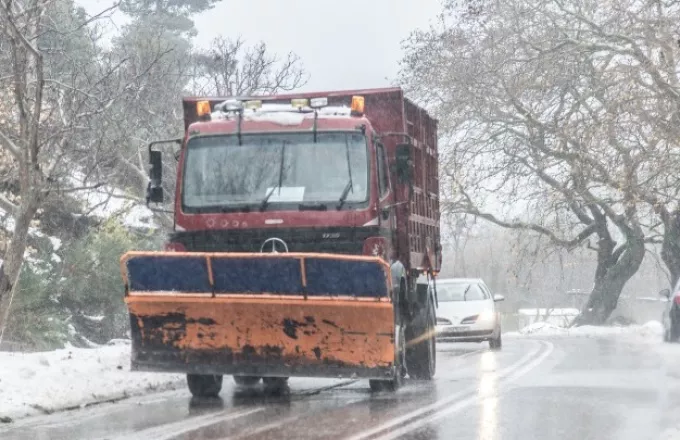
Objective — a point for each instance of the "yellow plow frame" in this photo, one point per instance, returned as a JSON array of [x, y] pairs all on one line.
[[270, 315]]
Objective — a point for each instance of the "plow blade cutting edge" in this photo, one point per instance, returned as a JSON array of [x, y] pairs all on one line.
[[312, 315]]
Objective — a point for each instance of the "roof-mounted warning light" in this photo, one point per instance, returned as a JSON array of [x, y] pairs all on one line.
[[299, 103], [231, 105], [357, 108], [253, 105], [203, 110], [318, 102]]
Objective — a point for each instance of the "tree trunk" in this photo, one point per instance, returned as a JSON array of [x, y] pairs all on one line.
[[670, 247], [14, 257], [612, 274]]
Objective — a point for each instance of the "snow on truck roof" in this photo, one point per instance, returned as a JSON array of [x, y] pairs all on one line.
[[283, 114], [308, 95]]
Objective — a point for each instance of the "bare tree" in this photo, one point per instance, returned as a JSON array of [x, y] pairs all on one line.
[[230, 68], [551, 128], [60, 83]]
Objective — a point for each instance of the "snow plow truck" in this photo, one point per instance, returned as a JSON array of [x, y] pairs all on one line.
[[306, 243]]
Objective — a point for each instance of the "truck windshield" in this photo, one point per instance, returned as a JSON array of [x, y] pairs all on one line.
[[288, 168]]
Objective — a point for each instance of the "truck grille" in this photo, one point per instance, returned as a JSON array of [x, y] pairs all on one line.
[[347, 241]]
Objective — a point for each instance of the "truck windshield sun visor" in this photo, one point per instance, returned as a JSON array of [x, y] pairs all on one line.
[[286, 169]]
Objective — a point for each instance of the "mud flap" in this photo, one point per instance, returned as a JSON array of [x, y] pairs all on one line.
[[314, 315]]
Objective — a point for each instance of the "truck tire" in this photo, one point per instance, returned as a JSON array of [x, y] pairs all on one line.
[[246, 381], [275, 385], [421, 357], [379, 385], [204, 385]]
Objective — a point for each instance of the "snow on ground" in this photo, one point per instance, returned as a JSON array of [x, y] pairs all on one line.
[[652, 329], [106, 202], [38, 383]]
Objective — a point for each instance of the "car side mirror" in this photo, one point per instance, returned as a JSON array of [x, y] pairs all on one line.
[[498, 298], [665, 293], [403, 163], [154, 192]]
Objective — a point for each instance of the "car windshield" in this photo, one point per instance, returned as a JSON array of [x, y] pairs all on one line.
[[281, 168], [458, 291]]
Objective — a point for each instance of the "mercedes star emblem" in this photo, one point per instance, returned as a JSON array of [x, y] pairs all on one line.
[[274, 245]]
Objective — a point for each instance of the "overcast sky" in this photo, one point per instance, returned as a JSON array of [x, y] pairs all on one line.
[[343, 44]]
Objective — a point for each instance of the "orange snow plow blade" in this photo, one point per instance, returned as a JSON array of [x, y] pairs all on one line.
[[260, 314]]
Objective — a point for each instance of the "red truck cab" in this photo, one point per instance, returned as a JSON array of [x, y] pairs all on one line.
[[336, 172]]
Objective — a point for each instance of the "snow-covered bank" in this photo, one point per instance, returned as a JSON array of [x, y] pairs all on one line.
[[38, 383], [649, 329], [107, 202]]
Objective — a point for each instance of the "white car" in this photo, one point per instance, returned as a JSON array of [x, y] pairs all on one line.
[[467, 312]]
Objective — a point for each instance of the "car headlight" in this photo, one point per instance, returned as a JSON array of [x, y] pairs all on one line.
[[487, 315]]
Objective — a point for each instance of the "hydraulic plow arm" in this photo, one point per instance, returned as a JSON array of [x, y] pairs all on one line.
[[260, 314]]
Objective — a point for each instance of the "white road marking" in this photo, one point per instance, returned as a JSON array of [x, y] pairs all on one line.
[[280, 423], [471, 353], [184, 426], [441, 405], [507, 377]]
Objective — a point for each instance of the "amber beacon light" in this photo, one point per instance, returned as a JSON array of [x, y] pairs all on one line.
[[357, 105]]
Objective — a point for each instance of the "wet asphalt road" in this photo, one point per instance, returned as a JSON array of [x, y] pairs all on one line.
[[561, 388]]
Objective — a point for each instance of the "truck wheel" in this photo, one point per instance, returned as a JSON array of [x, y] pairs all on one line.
[[275, 384], [246, 381], [204, 385], [421, 357], [379, 385]]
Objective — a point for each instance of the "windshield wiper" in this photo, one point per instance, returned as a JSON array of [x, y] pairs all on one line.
[[263, 203], [345, 193], [466, 291], [349, 186]]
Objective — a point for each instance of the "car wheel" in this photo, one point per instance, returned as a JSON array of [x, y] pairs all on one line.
[[496, 343], [674, 332]]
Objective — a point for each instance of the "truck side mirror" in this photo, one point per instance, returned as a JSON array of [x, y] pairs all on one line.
[[665, 293], [154, 192], [403, 163]]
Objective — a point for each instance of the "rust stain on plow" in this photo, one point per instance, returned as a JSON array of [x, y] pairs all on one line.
[[291, 327], [251, 329]]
